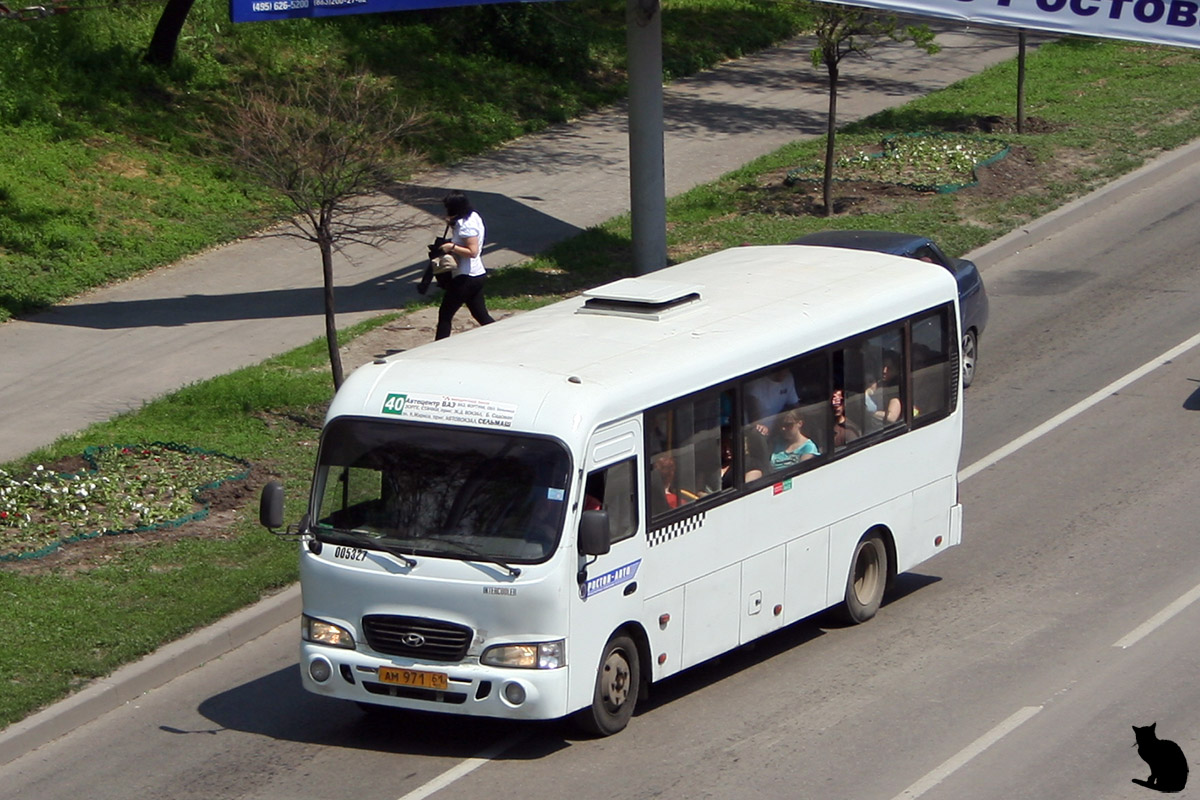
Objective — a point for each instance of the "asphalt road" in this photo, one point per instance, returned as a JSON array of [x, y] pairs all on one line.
[[1011, 667]]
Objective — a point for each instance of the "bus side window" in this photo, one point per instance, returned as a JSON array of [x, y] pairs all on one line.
[[872, 378], [614, 489], [800, 431], [684, 450], [933, 341]]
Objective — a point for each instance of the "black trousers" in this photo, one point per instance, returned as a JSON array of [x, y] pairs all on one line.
[[466, 291]]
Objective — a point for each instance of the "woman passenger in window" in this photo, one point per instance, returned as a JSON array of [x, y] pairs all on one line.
[[796, 446], [883, 396], [843, 429]]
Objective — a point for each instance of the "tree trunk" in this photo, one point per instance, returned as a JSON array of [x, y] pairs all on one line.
[[325, 242], [831, 130], [1021, 80], [161, 51]]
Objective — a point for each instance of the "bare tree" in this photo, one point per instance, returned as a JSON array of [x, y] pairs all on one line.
[[843, 31], [1020, 80], [328, 147]]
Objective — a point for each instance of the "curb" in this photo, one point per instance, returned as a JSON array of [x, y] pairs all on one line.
[[152, 671], [1065, 216]]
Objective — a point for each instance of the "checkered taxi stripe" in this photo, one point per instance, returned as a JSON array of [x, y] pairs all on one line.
[[675, 529]]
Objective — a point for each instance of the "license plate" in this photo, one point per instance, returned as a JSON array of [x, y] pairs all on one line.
[[414, 677]]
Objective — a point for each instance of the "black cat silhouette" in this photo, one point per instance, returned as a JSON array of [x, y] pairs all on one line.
[[1168, 766]]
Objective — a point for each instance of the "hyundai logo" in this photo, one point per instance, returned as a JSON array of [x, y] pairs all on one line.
[[413, 639]]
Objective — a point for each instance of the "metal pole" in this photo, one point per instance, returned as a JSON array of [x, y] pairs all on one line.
[[647, 180]]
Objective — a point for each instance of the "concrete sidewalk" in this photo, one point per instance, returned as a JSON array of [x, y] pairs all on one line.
[[111, 350]]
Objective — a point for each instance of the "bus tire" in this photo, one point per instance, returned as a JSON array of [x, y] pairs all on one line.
[[867, 579], [618, 683]]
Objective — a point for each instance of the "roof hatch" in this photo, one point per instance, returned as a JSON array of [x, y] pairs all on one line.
[[639, 298]]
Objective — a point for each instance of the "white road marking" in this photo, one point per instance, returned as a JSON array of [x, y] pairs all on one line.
[[1158, 619], [1077, 409], [939, 774], [465, 768]]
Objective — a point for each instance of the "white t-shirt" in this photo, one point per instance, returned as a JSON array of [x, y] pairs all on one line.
[[470, 225], [770, 395]]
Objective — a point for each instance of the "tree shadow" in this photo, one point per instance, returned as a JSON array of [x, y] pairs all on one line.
[[514, 227]]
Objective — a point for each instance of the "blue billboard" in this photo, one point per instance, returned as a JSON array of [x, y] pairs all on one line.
[[267, 10]]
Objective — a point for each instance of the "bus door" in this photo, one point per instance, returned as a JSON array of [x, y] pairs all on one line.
[[607, 592]]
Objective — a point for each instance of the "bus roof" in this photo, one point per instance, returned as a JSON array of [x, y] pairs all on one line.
[[637, 342]]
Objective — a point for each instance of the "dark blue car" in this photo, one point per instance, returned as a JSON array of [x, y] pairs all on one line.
[[972, 297]]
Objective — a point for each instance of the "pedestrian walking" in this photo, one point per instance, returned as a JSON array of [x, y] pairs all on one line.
[[466, 281]]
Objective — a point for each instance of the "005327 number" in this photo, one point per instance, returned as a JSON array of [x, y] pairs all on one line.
[[350, 554]]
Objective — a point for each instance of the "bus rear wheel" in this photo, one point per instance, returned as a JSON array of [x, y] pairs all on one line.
[[618, 683], [867, 579]]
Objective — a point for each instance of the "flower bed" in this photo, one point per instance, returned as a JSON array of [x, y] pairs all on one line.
[[126, 488], [926, 162]]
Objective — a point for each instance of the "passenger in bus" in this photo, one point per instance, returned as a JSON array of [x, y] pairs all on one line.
[[662, 481], [593, 491], [796, 446], [883, 396], [767, 396], [752, 465], [844, 430]]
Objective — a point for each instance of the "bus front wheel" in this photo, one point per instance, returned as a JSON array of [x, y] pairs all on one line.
[[867, 580], [618, 681]]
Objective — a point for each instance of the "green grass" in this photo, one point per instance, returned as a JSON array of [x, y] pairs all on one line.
[[75, 626], [103, 177]]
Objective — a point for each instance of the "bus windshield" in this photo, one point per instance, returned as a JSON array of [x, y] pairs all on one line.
[[441, 491]]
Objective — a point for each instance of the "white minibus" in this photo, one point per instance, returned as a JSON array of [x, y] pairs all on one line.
[[543, 517]]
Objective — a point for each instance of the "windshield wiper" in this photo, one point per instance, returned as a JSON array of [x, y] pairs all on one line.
[[365, 541], [478, 556]]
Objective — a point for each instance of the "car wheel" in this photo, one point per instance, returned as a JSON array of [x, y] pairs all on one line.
[[618, 681], [970, 353]]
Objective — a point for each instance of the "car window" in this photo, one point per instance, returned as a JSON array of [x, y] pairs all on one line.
[[929, 253]]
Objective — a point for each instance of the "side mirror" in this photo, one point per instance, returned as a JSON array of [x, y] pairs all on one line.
[[594, 536], [270, 506]]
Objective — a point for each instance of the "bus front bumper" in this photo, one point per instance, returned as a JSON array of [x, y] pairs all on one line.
[[465, 688]]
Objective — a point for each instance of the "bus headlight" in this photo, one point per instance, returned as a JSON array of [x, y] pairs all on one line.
[[326, 633], [546, 655]]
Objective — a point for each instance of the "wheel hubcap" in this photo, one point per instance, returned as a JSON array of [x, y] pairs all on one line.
[[616, 680], [968, 357], [866, 574]]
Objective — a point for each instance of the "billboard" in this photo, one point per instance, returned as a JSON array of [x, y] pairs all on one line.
[[267, 10], [1171, 22]]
